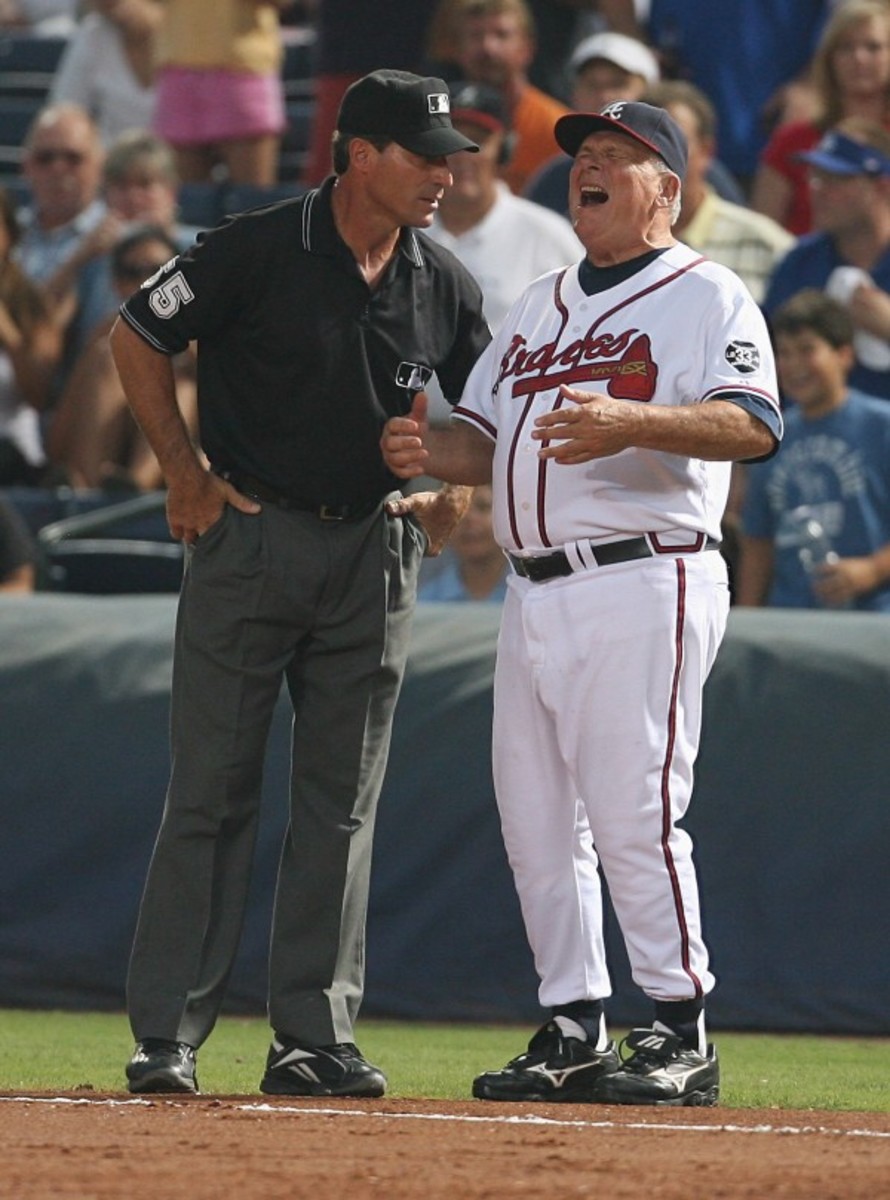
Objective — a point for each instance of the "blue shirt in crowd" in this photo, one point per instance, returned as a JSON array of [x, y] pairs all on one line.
[[837, 468]]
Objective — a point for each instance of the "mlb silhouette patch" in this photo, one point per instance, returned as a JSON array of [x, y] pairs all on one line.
[[438, 102], [413, 376], [743, 356]]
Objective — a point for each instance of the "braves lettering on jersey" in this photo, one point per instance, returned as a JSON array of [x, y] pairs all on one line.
[[681, 331]]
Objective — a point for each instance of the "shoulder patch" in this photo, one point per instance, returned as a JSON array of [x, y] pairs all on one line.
[[744, 357]]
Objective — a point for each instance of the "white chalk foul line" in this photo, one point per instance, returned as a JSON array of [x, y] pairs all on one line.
[[522, 1119]]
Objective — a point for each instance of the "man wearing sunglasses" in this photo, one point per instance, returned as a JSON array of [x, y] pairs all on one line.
[[63, 166]]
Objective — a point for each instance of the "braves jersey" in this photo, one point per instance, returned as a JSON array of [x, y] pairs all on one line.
[[680, 331]]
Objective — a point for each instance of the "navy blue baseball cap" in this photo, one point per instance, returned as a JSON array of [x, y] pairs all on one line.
[[479, 104], [841, 155], [412, 110], [652, 127]]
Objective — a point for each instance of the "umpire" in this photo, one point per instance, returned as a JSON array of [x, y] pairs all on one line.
[[316, 319]]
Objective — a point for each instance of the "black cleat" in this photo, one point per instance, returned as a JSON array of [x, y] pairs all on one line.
[[661, 1069], [295, 1069], [555, 1068], [161, 1066]]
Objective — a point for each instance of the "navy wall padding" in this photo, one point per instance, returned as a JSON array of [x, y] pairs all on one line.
[[791, 819]]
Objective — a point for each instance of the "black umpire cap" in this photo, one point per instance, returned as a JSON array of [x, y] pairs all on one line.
[[412, 110]]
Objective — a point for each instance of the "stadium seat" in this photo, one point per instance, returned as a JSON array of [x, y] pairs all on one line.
[[200, 204], [16, 115], [112, 566], [86, 552], [28, 64]]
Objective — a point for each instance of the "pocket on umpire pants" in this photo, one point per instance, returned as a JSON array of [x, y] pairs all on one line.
[[406, 544]]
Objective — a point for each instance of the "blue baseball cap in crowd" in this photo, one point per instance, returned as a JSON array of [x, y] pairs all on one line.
[[651, 126], [841, 155]]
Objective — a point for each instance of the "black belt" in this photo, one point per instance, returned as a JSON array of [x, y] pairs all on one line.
[[551, 566], [325, 512]]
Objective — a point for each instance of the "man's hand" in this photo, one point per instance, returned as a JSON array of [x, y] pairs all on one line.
[[590, 426], [438, 513], [402, 440], [839, 582], [197, 501], [870, 309]]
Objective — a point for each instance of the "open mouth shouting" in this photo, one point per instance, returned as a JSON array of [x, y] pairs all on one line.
[[591, 194]]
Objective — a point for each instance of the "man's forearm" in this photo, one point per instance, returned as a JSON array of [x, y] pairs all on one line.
[[150, 387], [715, 431], [459, 454]]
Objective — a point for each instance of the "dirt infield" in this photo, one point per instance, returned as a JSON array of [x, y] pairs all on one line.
[[93, 1147]]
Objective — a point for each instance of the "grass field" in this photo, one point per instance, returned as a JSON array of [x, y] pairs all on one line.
[[61, 1051]]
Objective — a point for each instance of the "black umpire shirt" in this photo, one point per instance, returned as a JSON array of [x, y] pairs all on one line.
[[300, 363]]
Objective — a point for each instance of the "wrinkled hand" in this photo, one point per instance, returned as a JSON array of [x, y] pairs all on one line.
[[839, 582], [590, 426], [438, 513], [197, 502], [401, 442]]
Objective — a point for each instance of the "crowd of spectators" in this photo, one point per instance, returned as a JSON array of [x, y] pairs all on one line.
[[785, 105]]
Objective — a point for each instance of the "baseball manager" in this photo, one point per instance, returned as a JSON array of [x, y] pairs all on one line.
[[607, 412]]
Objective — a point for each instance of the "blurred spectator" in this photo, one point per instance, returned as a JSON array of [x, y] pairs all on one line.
[[816, 518], [745, 55], [29, 352], [93, 441], [747, 242], [503, 240], [108, 66], [610, 66], [473, 565], [62, 165], [850, 253], [559, 26], [44, 18], [493, 42], [851, 77], [140, 186], [220, 99], [603, 68], [18, 553], [607, 67], [354, 37]]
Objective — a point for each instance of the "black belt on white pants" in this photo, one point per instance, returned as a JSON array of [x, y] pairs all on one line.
[[540, 567]]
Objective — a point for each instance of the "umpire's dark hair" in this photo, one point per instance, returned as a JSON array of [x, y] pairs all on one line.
[[340, 144], [811, 310]]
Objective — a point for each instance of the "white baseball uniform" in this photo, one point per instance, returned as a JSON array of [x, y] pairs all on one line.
[[598, 686]]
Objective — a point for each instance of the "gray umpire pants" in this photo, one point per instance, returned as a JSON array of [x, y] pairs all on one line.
[[325, 606]]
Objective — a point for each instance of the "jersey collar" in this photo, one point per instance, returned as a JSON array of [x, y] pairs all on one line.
[[319, 233]]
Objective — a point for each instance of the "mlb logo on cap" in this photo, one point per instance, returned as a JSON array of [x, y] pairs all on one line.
[[439, 102]]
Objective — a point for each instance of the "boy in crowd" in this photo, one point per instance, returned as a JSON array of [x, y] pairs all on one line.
[[816, 518]]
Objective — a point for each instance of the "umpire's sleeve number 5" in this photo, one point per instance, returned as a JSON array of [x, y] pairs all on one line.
[[166, 300]]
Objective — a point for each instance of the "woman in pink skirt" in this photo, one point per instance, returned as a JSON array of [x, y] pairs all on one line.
[[219, 92]]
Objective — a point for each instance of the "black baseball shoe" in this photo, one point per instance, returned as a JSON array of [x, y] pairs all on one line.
[[555, 1067], [295, 1069], [161, 1066], [659, 1068]]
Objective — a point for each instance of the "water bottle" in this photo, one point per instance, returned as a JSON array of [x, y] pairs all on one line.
[[814, 548]]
